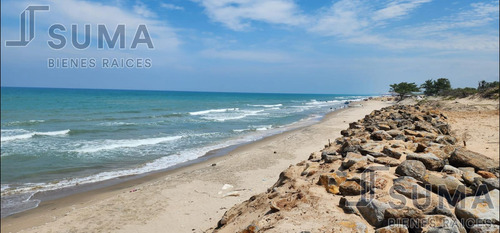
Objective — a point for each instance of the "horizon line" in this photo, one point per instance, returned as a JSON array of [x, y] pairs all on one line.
[[228, 92]]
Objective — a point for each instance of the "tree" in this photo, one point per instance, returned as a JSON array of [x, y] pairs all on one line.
[[428, 86], [436, 87], [404, 88], [483, 85], [441, 85]]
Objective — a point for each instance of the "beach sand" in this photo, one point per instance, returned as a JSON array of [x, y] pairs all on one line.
[[188, 199]]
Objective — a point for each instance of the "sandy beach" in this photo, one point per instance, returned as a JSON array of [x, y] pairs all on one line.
[[192, 198]]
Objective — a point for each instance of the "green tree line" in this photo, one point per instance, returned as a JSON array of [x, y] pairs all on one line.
[[442, 87]]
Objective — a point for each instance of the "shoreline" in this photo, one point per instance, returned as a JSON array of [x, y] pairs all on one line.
[[50, 211]]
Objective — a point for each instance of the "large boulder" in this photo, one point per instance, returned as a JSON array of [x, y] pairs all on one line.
[[413, 168], [409, 187], [371, 148], [332, 181], [351, 188], [430, 161], [392, 153], [402, 215], [482, 209], [380, 135], [450, 170], [491, 183], [372, 210], [462, 157], [330, 156], [353, 158], [446, 184], [441, 224], [391, 162], [470, 177], [485, 228]]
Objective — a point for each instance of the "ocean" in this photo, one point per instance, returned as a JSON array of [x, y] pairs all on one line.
[[58, 138]]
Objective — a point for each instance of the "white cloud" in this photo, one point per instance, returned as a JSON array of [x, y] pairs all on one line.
[[358, 22], [247, 55], [169, 6], [238, 14], [142, 10], [479, 14], [343, 18], [397, 9]]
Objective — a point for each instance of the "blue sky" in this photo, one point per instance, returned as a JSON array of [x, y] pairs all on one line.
[[285, 46]]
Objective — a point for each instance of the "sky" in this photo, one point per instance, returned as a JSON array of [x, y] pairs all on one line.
[[272, 46]]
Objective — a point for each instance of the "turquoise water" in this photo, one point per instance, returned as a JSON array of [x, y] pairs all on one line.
[[56, 138]]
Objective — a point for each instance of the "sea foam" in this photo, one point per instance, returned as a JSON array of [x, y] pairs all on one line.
[[128, 143], [32, 134]]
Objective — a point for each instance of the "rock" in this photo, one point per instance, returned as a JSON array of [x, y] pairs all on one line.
[[391, 153], [409, 187], [426, 204], [484, 228], [446, 139], [398, 145], [410, 132], [466, 169], [353, 158], [448, 169], [372, 211], [413, 168], [252, 228], [420, 148], [332, 181], [370, 148], [384, 127], [330, 157], [441, 210], [350, 227], [380, 135], [470, 177], [443, 129], [441, 224], [438, 152], [479, 209], [491, 183], [348, 208], [420, 125], [377, 154], [402, 215], [391, 162], [395, 228], [463, 157], [355, 125], [486, 174], [446, 183], [430, 161], [310, 169], [350, 145], [315, 156], [395, 133], [350, 188]]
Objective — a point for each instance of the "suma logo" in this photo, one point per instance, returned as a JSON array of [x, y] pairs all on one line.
[[59, 41]]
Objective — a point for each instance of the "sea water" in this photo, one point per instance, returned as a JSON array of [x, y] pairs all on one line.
[[58, 138]]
